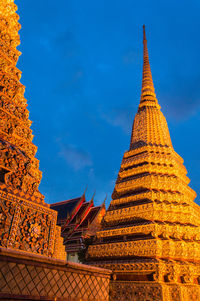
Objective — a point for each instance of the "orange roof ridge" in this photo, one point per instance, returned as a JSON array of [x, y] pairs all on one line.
[[64, 202]]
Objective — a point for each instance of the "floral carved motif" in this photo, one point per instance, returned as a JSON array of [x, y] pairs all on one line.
[[17, 154], [125, 291], [29, 227], [33, 231], [7, 210], [19, 169], [26, 222]]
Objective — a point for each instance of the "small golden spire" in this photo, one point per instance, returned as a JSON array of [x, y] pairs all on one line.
[[144, 34], [148, 92]]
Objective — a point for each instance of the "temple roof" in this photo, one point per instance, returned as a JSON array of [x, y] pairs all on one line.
[[81, 214], [84, 225], [78, 218], [65, 208], [91, 216]]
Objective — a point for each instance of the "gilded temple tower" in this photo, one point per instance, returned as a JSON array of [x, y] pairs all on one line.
[[150, 234], [26, 222], [21, 171]]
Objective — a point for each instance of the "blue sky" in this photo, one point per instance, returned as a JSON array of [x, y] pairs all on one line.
[[82, 66]]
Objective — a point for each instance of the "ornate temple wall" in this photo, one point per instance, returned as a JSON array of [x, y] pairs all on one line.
[[29, 227], [32, 255], [129, 290], [25, 277], [26, 221]]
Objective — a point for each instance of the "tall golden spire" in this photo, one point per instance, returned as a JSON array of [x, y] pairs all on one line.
[[147, 127], [151, 228], [148, 92]]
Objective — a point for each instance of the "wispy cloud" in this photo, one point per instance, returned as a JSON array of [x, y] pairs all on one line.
[[104, 67], [119, 117], [75, 77], [76, 158], [130, 57], [45, 42], [181, 108], [72, 85], [67, 44], [183, 99]]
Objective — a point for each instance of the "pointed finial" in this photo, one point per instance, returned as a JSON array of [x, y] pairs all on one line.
[[83, 196], [144, 34], [103, 205], [93, 195], [148, 96], [92, 199]]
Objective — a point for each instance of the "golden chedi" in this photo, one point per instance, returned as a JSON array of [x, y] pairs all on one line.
[[26, 222], [150, 234]]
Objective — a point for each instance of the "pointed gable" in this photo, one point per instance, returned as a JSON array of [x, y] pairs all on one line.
[[65, 208]]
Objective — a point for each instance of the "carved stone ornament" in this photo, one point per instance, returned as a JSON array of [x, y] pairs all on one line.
[[26, 222]]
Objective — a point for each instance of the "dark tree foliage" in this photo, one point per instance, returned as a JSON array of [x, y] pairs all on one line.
[[83, 252]]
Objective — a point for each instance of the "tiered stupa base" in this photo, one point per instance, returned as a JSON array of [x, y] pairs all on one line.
[[123, 290], [153, 279]]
